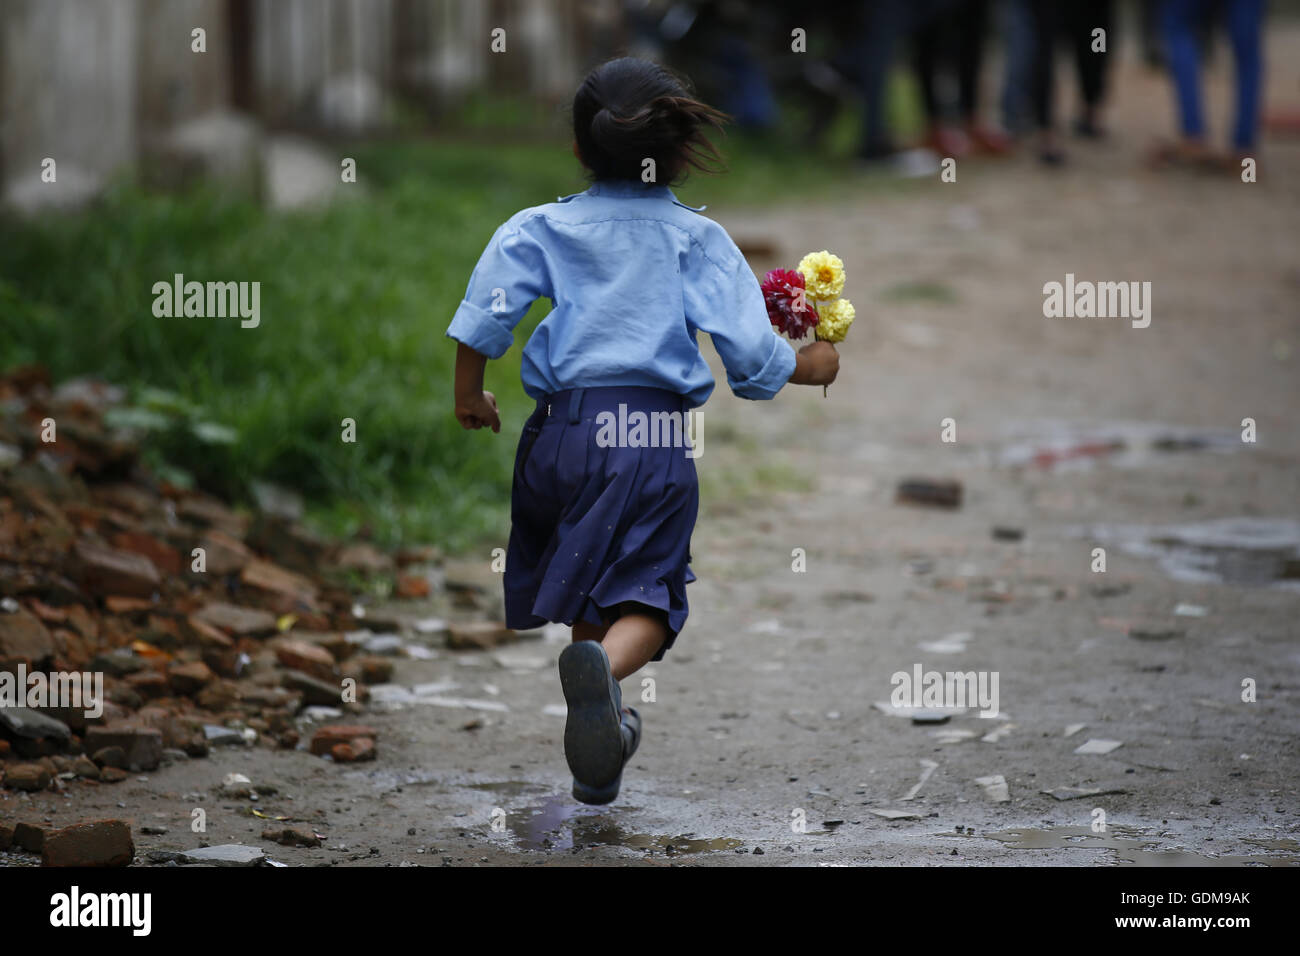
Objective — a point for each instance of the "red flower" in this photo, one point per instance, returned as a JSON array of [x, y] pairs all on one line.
[[787, 309]]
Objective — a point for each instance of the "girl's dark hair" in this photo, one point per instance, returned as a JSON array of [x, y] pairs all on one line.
[[628, 110]]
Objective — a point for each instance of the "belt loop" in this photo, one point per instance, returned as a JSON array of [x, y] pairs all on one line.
[[575, 406]]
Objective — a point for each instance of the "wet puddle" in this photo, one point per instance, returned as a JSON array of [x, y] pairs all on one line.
[[509, 788], [560, 824], [1252, 551], [1135, 850]]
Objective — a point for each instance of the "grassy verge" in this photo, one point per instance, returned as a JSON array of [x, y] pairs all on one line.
[[354, 302]]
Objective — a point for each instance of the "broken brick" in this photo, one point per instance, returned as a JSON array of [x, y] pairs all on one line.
[[104, 571], [96, 843], [329, 736]]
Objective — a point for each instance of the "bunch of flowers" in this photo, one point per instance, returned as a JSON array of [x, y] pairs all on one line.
[[808, 299]]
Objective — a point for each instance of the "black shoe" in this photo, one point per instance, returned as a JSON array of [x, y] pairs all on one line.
[[594, 741]]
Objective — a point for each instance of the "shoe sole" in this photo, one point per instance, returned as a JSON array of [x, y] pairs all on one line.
[[593, 742]]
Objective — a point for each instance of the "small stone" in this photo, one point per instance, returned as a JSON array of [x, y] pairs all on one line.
[[218, 736], [369, 669], [995, 788], [98, 843], [142, 745], [104, 571], [237, 621], [189, 677], [362, 748], [112, 775], [364, 558], [24, 638], [27, 776], [308, 658], [313, 691], [292, 836], [389, 645], [83, 766], [275, 580], [412, 586], [896, 814], [326, 738], [1096, 746], [28, 724], [227, 854], [478, 635], [29, 837]]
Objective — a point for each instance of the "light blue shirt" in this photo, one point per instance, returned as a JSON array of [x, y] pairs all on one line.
[[632, 275]]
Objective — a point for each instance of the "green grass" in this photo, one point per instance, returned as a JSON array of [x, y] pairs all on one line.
[[354, 303]]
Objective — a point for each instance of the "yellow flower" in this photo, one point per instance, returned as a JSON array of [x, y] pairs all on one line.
[[836, 317], [823, 274]]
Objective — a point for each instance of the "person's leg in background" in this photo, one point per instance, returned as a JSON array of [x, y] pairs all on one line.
[[1178, 21], [1083, 17], [884, 22], [1018, 51], [1046, 29], [932, 43], [970, 30], [1245, 22]]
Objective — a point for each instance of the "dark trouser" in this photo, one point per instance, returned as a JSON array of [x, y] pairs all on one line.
[[955, 34]]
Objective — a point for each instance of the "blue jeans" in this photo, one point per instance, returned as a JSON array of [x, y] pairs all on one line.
[[1245, 25]]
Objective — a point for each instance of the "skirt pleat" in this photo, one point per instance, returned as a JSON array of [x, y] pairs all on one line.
[[594, 527]]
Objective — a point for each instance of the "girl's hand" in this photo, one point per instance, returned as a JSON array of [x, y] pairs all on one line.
[[816, 364], [478, 411]]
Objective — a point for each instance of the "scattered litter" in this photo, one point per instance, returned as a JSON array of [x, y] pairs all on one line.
[[896, 814], [928, 767], [555, 710], [993, 736], [927, 714], [1072, 729], [464, 702], [1097, 746], [430, 625], [954, 643], [1153, 630], [434, 688], [929, 492], [1191, 610], [995, 788], [952, 735], [770, 626], [1074, 793], [519, 662]]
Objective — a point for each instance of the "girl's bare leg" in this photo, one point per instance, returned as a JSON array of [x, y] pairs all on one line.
[[630, 641]]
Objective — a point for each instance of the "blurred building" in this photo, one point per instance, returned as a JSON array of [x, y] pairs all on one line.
[[103, 85]]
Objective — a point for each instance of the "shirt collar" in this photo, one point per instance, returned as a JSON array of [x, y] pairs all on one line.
[[629, 189], [632, 189]]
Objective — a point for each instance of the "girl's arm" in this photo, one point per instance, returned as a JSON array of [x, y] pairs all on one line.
[[475, 408]]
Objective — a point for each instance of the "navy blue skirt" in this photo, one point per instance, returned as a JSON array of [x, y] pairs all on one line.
[[596, 523]]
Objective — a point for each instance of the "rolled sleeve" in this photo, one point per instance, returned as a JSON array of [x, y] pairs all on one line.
[[768, 380], [509, 277], [730, 308], [481, 331]]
